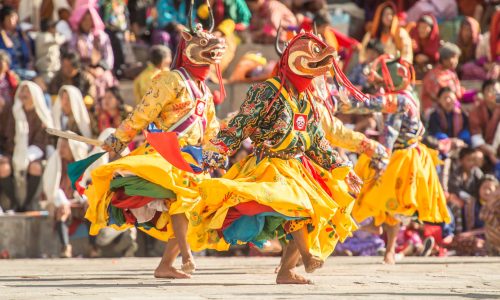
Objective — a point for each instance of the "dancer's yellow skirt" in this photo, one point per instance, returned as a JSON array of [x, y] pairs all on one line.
[[409, 185], [284, 185], [146, 163]]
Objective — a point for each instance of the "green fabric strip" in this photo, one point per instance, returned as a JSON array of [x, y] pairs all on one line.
[[137, 186]]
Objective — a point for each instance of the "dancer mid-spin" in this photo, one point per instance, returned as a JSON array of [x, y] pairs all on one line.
[[142, 189], [410, 184], [277, 191]]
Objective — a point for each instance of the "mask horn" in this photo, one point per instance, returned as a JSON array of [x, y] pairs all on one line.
[[190, 17], [211, 21], [315, 28], [277, 42]]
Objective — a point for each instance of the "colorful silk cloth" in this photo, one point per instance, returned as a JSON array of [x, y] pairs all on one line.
[[410, 183], [280, 182], [143, 189]]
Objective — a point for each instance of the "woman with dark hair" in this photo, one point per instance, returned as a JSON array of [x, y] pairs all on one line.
[[110, 111], [16, 43], [425, 41], [386, 29], [448, 119]]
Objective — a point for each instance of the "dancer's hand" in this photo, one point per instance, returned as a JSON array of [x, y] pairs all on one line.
[[379, 160], [354, 182], [113, 145], [214, 160]]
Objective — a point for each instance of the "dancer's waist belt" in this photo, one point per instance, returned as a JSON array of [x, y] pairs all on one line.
[[266, 152]]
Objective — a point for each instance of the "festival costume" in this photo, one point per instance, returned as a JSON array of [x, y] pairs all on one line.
[[277, 189], [410, 183], [143, 189]]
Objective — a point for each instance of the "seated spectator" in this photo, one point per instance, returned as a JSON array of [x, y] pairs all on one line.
[[160, 59], [71, 73], [8, 82], [69, 112], [442, 75], [484, 119], [448, 120], [110, 111], [488, 50], [267, 15], [358, 75], [389, 33], [47, 49], [425, 40], [25, 145], [463, 185], [93, 45], [16, 43], [490, 213], [170, 22], [471, 242], [236, 10], [467, 40]]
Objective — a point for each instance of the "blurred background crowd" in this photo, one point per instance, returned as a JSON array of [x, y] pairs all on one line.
[[82, 65]]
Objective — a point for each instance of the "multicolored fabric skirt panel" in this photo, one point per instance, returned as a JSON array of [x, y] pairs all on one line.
[[259, 200], [143, 190]]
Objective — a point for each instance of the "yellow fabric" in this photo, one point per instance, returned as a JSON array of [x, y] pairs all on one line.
[[165, 103], [340, 136], [410, 184], [284, 185], [142, 83], [146, 163]]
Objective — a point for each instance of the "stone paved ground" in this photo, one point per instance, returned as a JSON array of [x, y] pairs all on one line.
[[251, 278]]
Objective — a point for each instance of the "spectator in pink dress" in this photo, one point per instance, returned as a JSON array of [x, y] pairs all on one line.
[[93, 45]]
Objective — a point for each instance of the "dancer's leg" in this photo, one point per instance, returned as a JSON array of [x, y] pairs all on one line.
[[390, 252], [180, 224], [286, 273], [166, 267], [311, 263], [283, 254]]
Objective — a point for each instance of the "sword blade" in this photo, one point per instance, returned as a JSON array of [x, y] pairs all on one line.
[[73, 136]]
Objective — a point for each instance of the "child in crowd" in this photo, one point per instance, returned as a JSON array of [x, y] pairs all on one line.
[[489, 193]]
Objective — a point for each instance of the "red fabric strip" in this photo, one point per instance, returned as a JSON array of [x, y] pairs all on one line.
[[312, 170]]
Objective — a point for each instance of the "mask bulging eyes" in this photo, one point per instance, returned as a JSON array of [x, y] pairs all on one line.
[[203, 42], [316, 49]]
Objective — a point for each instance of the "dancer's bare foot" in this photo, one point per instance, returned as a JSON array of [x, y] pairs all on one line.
[[170, 272], [312, 263], [390, 258], [291, 277], [188, 266]]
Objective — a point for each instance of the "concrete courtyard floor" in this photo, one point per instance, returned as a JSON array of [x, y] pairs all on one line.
[[251, 278]]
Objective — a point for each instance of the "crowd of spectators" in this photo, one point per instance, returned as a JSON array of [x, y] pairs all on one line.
[[63, 63]]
